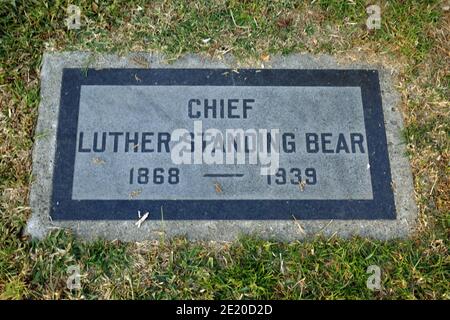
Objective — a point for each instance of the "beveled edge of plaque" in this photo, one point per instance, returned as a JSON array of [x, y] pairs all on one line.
[[40, 222]]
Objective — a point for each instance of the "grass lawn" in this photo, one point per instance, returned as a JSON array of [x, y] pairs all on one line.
[[414, 39]]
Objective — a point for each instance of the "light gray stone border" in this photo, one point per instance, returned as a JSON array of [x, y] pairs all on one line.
[[40, 223]]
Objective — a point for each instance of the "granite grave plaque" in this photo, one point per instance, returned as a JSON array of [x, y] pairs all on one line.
[[121, 145]]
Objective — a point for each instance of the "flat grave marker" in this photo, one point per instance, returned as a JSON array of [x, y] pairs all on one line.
[[205, 147]]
